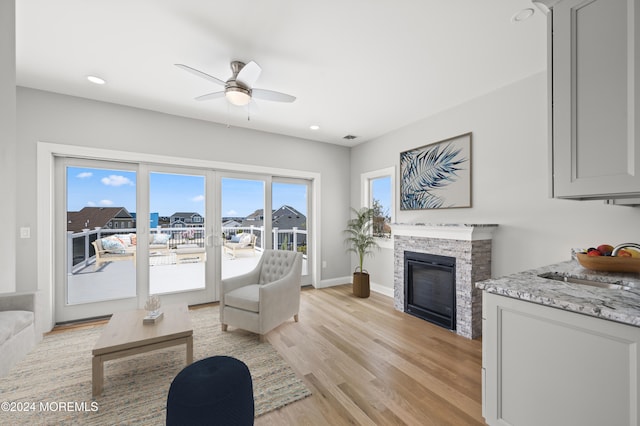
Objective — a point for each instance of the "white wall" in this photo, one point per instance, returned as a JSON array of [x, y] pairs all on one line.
[[49, 117], [8, 145], [510, 181]]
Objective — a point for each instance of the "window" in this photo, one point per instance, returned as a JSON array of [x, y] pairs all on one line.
[[378, 193], [381, 203]]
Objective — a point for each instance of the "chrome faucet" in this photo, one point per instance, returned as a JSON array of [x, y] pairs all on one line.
[[623, 245]]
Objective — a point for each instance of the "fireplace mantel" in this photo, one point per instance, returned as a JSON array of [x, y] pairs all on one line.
[[447, 231]]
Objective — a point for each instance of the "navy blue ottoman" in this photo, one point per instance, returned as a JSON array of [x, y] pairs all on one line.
[[212, 391]]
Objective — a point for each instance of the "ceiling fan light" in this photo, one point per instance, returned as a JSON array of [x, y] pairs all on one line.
[[238, 96]]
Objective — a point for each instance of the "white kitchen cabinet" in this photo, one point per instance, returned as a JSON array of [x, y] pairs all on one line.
[[547, 366], [594, 67]]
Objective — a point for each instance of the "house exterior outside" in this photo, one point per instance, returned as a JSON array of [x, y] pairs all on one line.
[[231, 222], [286, 217], [186, 220], [283, 218], [100, 217]]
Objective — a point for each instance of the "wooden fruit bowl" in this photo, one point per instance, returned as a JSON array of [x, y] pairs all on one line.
[[609, 263]]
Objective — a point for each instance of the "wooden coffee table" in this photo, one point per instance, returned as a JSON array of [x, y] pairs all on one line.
[[126, 335]]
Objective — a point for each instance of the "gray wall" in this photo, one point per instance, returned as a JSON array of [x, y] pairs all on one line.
[[510, 181], [55, 118]]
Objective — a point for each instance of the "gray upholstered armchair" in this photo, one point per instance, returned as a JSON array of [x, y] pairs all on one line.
[[264, 298]]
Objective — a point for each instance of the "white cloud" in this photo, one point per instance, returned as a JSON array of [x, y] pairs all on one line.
[[232, 213], [91, 204], [106, 202], [116, 180], [198, 198], [84, 175]]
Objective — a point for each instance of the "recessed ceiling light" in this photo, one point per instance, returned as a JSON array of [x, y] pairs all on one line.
[[523, 15], [314, 127], [96, 80]]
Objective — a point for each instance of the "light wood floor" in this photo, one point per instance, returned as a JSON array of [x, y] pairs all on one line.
[[368, 364]]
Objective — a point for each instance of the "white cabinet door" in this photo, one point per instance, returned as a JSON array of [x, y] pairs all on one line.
[[595, 94], [546, 366]]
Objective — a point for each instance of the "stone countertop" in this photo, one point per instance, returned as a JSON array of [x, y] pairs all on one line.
[[612, 304]]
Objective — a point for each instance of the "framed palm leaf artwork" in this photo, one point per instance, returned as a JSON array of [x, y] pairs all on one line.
[[437, 176]]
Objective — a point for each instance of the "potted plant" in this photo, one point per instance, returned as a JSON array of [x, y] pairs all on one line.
[[361, 241]]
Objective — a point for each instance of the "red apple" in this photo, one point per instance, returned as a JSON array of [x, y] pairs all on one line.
[[605, 249], [624, 253], [593, 253]]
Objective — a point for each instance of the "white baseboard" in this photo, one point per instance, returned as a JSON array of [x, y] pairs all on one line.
[[333, 282], [382, 289], [378, 288]]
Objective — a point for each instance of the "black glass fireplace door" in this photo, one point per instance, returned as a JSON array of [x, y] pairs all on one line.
[[430, 288]]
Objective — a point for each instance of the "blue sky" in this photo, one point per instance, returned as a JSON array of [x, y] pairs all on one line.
[[100, 188], [172, 193], [381, 191]]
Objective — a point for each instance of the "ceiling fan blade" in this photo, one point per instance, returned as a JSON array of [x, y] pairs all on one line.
[[209, 96], [249, 74], [201, 74], [270, 95]]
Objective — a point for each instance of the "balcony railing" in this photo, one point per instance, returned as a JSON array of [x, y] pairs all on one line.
[[283, 239], [80, 251]]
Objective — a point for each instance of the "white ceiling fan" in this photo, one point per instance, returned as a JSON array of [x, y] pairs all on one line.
[[238, 89]]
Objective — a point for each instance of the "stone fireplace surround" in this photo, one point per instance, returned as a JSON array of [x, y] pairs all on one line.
[[469, 244]]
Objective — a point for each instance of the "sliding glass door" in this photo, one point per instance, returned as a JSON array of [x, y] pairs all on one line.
[[263, 212], [130, 231], [179, 243], [177, 232], [95, 246], [244, 236], [291, 219], [126, 231]]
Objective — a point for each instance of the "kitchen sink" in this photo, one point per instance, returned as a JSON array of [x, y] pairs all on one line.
[[559, 277]]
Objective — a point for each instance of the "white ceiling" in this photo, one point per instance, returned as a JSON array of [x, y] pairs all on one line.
[[360, 67]]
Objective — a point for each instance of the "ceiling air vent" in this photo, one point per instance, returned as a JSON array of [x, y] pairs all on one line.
[[349, 137]]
